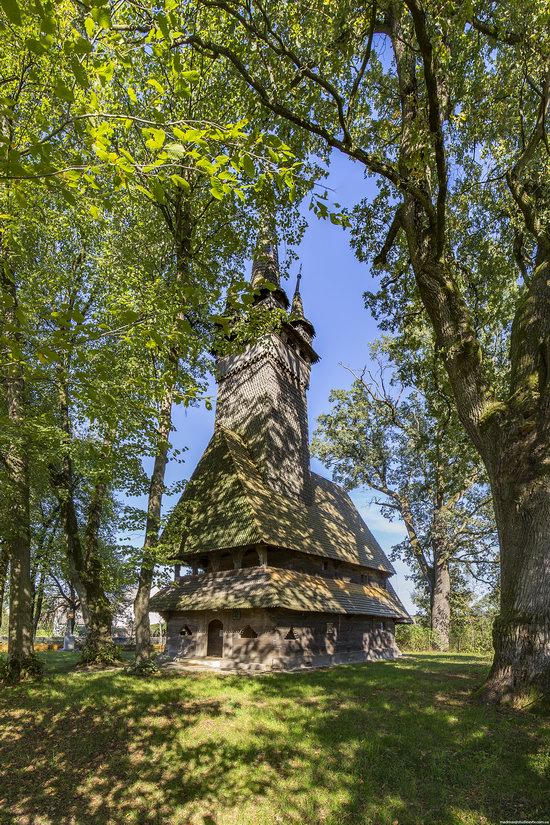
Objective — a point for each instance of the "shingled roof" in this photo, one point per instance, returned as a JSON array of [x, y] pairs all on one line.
[[228, 504], [270, 587]]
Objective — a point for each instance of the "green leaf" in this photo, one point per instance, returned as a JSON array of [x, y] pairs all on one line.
[[248, 166], [162, 23], [89, 26], [48, 25], [82, 46], [102, 17], [175, 150], [144, 191], [216, 189], [11, 9], [62, 91], [79, 73], [35, 46], [158, 191], [131, 94], [155, 138], [191, 75], [181, 182], [69, 197], [156, 85]]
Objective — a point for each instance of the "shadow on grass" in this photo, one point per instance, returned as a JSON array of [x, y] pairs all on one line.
[[354, 745]]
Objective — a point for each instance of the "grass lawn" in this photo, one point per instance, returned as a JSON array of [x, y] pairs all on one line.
[[390, 742]]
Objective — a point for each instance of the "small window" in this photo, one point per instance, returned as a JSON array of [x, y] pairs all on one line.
[[248, 633], [186, 630], [291, 636]]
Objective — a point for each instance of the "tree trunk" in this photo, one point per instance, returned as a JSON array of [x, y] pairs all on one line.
[[83, 556], [440, 604], [18, 539], [85, 564], [156, 489], [38, 599], [521, 633], [75, 582], [4, 565], [98, 639]]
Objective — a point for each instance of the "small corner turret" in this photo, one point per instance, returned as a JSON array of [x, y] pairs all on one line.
[[297, 316]]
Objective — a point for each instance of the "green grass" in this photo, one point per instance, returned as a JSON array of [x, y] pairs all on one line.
[[357, 745]]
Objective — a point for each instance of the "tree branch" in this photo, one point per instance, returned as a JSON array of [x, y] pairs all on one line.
[[396, 225], [435, 119]]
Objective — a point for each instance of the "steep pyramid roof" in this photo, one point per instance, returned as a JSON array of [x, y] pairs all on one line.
[[228, 504]]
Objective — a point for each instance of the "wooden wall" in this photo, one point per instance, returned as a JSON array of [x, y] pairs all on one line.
[[284, 639]]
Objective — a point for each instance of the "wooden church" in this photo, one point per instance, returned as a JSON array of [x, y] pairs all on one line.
[[284, 573]]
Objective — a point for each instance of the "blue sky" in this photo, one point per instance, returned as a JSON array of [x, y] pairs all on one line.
[[333, 282]]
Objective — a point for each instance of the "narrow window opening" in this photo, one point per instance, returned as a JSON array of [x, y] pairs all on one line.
[[291, 636], [186, 631]]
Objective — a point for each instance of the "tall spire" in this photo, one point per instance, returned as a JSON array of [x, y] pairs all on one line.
[[265, 263], [265, 266]]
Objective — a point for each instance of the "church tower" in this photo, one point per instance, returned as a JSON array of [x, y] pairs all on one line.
[[262, 392], [283, 572]]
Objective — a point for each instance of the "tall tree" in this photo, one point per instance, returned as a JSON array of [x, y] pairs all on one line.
[[409, 447], [447, 105], [107, 81]]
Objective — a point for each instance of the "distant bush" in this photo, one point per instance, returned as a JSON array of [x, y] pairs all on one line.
[[414, 637], [473, 635]]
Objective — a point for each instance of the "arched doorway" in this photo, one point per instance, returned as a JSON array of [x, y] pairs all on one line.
[[215, 639]]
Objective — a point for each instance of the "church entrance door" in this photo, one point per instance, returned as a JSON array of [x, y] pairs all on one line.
[[215, 639]]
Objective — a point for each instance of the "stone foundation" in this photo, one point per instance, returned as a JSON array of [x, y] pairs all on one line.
[[278, 639]]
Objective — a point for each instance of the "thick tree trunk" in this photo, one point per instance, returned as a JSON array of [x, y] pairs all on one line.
[[156, 489], [98, 639], [83, 556], [18, 533], [521, 634], [85, 566], [441, 605]]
